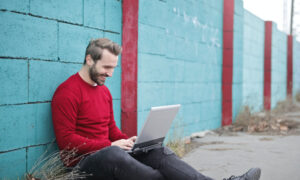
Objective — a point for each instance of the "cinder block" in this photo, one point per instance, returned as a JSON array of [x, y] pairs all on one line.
[[15, 5], [41, 128], [113, 15], [94, 13], [13, 164], [14, 81], [46, 76], [142, 116], [35, 155], [73, 41], [146, 44], [146, 15], [238, 75], [149, 94], [68, 10], [148, 69], [115, 37], [114, 83], [192, 71], [14, 119], [27, 36], [32, 122]]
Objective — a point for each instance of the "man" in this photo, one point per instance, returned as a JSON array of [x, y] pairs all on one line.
[[84, 125]]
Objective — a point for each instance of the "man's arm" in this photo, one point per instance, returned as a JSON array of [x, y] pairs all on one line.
[[65, 106]]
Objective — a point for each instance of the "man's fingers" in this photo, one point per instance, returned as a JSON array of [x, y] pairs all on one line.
[[133, 138]]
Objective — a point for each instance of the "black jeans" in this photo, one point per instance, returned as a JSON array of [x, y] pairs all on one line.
[[113, 163]]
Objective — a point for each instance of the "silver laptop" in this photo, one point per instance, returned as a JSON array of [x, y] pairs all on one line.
[[155, 128]]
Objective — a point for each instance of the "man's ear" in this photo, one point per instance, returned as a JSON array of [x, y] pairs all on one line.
[[89, 60]]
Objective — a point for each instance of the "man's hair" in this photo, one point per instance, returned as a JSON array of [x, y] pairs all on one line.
[[96, 47]]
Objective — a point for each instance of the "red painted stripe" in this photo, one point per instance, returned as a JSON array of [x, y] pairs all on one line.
[[129, 67], [290, 66], [227, 73], [267, 65]]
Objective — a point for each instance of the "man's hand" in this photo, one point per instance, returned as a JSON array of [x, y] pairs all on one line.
[[125, 144], [133, 138]]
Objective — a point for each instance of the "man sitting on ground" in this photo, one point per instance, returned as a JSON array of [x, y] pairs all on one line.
[[82, 112]]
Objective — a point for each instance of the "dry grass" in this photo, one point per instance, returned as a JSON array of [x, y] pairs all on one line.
[[178, 146], [297, 97], [267, 122], [50, 167]]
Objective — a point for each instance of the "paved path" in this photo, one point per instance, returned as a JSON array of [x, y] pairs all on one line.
[[223, 156]]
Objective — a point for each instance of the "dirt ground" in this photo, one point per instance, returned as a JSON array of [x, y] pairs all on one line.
[[283, 120], [268, 140]]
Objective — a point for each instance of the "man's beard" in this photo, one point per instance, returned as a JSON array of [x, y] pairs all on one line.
[[94, 75]]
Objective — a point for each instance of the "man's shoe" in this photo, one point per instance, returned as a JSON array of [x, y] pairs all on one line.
[[252, 174]]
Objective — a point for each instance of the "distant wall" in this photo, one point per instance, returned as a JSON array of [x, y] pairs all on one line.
[[180, 60], [296, 67], [43, 43], [253, 61], [278, 66], [237, 83]]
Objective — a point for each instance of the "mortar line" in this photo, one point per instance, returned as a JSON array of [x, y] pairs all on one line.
[[28, 68], [58, 20], [104, 25], [57, 43], [16, 149], [26, 157], [37, 59], [83, 12], [29, 9], [18, 104]]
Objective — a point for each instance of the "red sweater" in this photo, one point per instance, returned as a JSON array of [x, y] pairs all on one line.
[[83, 117]]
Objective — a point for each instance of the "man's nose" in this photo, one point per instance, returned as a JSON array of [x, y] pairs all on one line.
[[110, 73]]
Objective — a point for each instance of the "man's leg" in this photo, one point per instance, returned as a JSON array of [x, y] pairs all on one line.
[[114, 163], [170, 166]]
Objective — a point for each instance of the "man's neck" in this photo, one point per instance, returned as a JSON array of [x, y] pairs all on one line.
[[84, 74]]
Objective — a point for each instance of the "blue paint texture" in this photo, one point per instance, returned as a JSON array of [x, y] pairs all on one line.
[[253, 62], [180, 62], [278, 66], [237, 83], [296, 67]]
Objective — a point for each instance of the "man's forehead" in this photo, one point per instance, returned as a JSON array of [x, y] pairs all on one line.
[[108, 59]]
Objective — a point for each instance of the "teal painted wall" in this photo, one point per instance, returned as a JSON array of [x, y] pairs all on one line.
[[237, 83], [296, 67], [44, 44], [278, 66], [180, 61], [253, 62]]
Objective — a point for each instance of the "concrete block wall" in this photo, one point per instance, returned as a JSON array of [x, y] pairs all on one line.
[[237, 83], [43, 44], [253, 62], [278, 66], [296, 67], [180, 61]]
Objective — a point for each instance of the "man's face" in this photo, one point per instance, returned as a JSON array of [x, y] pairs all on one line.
[[103, 68]]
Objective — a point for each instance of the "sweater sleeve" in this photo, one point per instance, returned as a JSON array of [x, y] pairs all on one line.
[[114, 132], [65, 106]]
